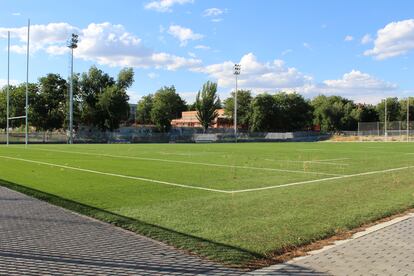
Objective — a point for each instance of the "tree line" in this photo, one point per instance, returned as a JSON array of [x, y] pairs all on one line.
[[266, 112], [101, 101]]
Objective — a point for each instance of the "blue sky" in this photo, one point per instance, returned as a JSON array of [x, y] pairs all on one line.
[[358, 49]]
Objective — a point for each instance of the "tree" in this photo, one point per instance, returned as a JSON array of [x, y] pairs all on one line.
[[262, 113], [104, 100], [393, 110], [49, 107], [3, 109], [125, 78], [244, 101], [403, 111], [18, 102], [112, 108], [294, 112], [333, 113], [91, 85], [206, 104], [167, 105], [144, 108], [365, 113]]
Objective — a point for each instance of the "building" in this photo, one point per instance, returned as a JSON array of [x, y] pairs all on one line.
[[189, 119]]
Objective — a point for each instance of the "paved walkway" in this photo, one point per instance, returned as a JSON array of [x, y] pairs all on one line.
[[386, 251], [37, 238]]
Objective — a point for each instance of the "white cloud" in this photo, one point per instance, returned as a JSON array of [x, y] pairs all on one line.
[[395, 39], [104, 43], [202, 47], [16, 14], [165, 5], [41, 36], [213, 12], [3, 82], [348, 38], [191, 54], [183, 34], [366, 39], [276, 76], [287, 51], [216, 20], [152, 75], [307, 45], [256, 75], [358, 86]]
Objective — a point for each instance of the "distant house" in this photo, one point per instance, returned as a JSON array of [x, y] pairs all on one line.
[[189, 119]]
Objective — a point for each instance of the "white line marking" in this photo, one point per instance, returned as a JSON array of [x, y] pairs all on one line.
[[325, 162], [208, 189], [322, 180], [189, 163], [115, 175]]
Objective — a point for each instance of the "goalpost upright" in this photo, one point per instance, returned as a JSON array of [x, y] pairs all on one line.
[[7, 89]]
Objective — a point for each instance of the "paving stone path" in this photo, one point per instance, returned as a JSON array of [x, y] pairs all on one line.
[[387, 251], [37, 238]]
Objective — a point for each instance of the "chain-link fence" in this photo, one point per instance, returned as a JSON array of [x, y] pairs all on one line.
[[150, 135], [397, 130]]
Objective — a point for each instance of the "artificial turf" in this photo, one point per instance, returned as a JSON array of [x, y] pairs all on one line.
[[235, 221]]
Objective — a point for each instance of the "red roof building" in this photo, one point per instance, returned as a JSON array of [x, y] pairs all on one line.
[[189, 119]]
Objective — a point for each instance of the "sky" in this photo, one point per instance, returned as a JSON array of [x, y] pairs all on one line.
[[362, 50]]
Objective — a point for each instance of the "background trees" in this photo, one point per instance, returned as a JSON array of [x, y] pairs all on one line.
[[334, 113], [244, 101], [144, 108], [263, 113], [207, 102], [293, 112], [102, 101], [48, 109], [167, 105]]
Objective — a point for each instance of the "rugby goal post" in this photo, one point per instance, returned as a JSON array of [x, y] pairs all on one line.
[[26, 115]]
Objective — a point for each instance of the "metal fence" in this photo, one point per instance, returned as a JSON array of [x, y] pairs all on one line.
[[396, 129], [150, 135]]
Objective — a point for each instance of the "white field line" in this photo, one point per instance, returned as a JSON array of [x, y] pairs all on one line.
[[322, 180], [115, 175], [208, 189], [326, 161], [189, 162]]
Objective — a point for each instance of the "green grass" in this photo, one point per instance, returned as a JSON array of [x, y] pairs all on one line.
[[225, 225]]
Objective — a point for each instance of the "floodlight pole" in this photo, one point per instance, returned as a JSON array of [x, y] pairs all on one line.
[[72, 44], [27, 84], [236, 72], [7, 89]]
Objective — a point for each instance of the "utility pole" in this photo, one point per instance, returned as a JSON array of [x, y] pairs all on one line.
[[237, 69], [72, 44]]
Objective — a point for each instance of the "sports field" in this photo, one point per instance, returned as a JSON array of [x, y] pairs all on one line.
[[228, 202]]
